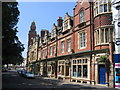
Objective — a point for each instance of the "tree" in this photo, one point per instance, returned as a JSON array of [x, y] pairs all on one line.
[[11, 46]]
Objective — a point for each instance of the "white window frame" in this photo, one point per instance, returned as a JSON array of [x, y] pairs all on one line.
[[82, 39], [103, 37], [50, 50], [54, 49], [81, 16], [99, 7], [69, 45], [62, 46]]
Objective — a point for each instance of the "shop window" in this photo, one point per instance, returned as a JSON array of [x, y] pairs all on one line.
[[74, 70], [67, 70], [117, 75], [62, 70], [79, 71], [84, 70], [49, 70]]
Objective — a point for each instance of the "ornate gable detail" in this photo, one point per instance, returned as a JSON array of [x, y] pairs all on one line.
[[67, 22], [53, 33]]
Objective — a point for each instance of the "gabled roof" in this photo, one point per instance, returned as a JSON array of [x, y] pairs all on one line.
[[67, 16]]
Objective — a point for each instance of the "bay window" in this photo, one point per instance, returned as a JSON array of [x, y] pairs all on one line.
[[102, 6], [102, 35]]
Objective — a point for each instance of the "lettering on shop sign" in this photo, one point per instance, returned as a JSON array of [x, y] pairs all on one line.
[[118, 24], [117, 43]]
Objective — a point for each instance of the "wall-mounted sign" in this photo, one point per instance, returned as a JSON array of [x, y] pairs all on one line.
[[118, 43], [118, 24]]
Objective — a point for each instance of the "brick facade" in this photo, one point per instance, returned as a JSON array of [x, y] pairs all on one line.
[[75, 46]]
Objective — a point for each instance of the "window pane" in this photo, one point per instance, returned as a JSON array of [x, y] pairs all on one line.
[[62, 70], [105, 7], [74, 70], [109, 7], [62, 47], [82, 40], [81, 16], [102, 35], [69, 45], [106, 35], [79, 71], [84, 70], [101, 8]]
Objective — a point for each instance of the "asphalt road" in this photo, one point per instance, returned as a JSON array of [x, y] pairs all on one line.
[[12, 80]]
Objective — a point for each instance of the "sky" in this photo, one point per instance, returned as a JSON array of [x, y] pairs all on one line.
[[43, 13]]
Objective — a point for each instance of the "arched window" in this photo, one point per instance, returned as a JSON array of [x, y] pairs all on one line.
[[81, 16]]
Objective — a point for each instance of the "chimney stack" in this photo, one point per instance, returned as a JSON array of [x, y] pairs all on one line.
[[59, 22]]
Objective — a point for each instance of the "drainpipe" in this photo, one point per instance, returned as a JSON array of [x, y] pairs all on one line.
[[56, 62], [91, 37]]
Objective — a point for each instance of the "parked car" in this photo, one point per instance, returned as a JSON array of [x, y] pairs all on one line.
[[29, 75], [19, 71], [4, 69], [23, 73]]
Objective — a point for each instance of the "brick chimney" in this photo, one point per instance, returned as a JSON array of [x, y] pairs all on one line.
[[59, 21]]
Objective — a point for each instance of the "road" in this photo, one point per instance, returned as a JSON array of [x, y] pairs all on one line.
[[11, 79]]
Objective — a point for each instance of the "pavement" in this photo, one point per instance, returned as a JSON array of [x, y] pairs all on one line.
[[64, 82]]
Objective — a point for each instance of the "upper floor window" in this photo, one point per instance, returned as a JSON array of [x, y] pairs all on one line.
[[103, 35], [82, 39], [54, 50], [102, 6], [65, 24], [51, 51], [69, 45], [81, 16], [62, 46]]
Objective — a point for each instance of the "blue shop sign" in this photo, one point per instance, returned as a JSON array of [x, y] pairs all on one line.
[[118, 24], [117, 43], [116, 58]]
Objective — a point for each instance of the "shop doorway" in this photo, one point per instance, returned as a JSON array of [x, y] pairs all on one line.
[[102, 74]]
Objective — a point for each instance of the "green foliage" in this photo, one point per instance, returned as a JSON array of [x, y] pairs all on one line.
[[11, 46], [103, 59]]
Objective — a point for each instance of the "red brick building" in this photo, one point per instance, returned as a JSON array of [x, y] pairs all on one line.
[[80, 47]]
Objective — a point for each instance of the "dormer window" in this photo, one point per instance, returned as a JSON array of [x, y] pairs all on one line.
[[81, 16], [53, 34], [67, 22]]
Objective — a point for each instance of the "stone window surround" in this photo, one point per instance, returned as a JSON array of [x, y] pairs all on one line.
[[81, 15], [69, 45], [79, 45]]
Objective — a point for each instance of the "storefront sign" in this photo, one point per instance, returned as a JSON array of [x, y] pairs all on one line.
[[118, 24], [117, 43]]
